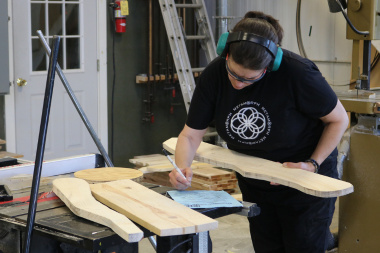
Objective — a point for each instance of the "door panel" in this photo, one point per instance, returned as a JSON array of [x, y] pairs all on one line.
[[74, 128], [67, 134]]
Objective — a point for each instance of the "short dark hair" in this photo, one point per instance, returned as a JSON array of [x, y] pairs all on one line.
[[248, 54]]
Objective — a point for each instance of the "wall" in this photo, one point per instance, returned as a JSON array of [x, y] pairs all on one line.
[[4, 48], [4, 60], [326, 42], [131, 136]]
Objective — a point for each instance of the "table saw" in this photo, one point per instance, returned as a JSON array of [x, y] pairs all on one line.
[[57, 229]]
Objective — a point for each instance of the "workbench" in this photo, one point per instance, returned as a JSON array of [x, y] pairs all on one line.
[[57, 229]]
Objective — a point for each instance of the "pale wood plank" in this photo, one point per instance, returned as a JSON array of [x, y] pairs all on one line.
[[212, 173], [253, 167], [76, 194], [151, 210], [162, 178], [97, 175], [9, 154], [156, 160], [168, 167], [223, 181], [146, 161], [157, 178], [214, 187], [238, 197]]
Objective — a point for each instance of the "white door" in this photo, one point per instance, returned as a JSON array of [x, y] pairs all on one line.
[[76, 22]]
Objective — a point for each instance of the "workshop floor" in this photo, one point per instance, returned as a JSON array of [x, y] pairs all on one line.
[[232, 235]]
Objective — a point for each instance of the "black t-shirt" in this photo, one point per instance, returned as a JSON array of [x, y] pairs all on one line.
[[276, 118]]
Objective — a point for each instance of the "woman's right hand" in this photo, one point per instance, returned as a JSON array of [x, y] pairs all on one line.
[[178, 181]]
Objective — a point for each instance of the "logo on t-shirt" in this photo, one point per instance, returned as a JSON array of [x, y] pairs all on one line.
[[249, 123]]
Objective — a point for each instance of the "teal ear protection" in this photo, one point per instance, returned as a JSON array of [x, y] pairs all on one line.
[[228, 38]]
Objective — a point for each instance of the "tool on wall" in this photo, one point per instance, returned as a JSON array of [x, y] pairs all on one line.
[[197, 23], [149, 101], [177, 39]]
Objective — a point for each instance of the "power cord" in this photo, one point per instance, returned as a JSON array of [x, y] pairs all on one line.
[[179, 244]]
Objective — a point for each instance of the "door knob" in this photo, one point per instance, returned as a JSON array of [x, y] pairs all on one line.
[[21, 82]]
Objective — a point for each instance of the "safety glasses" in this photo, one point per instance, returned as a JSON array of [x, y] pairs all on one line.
[[247, 81]]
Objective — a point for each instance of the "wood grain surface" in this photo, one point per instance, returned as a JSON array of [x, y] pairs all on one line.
[[100, 175], [76, 194], [151, 210], [257, 168], [170, 167]]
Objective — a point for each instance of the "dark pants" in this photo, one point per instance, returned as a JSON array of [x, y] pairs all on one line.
[[290, 220]]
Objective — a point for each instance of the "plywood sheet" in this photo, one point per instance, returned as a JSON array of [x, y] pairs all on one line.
[[253, 167], [76, 194], [108, 174], [151, 210]]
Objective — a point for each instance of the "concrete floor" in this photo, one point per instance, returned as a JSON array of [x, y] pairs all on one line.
[[232, 235]]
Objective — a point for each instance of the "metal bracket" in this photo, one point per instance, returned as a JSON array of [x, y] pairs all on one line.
[[199, 243], [249, 209]]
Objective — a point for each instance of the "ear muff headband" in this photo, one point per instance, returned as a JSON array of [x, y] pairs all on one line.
[[277, 60], [270, 46], [222, 43]]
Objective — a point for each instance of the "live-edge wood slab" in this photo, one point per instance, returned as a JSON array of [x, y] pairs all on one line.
[[76, 194], [257, 168], [151, 210]]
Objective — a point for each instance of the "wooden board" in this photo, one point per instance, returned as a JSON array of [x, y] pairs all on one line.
[[238, 197], [156, 160], [226, 181], [162, 178], [151, 210], [169, 167], [213, 187], [108, 174], [152, 179], [253, 167], [9, 154], [213, 174], [76, 194]]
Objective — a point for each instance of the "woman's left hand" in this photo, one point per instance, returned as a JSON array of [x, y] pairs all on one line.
[[301, 165]]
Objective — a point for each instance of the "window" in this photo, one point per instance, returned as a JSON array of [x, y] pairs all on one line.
[[57, 17]]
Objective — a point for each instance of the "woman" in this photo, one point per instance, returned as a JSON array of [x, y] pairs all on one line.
[[290, 116]]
